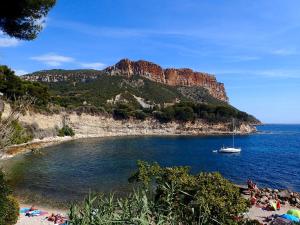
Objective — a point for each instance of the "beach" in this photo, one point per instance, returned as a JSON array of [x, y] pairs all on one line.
[[39, 220]]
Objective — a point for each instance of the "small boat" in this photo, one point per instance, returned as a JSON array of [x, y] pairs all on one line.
[[231, 149]]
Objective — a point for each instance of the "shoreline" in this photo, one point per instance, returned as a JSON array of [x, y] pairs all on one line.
[[255, 212], [37, 144]]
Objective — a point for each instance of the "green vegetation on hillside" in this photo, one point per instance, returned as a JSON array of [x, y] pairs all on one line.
[[97, 91], [123, 98], [167, 196], [13, 87]]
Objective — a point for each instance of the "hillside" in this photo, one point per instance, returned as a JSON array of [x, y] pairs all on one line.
[[126, 68], [140, 89]]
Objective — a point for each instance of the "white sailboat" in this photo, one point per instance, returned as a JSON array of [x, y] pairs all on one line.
[[231, 149]]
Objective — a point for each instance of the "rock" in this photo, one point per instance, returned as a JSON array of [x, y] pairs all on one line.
[[269, 190], [172, 77], [284, 194]]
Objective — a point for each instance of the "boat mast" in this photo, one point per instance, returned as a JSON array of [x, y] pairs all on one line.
[[233, 130]]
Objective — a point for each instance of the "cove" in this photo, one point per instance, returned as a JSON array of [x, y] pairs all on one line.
[[67, 172]]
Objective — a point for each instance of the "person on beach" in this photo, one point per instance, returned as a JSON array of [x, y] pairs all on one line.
[[32, 208], [253, 199]]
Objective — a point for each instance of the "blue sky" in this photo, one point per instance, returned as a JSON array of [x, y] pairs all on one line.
[[253, 46]]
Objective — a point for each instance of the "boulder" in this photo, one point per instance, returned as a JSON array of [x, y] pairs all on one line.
[[284, 194]]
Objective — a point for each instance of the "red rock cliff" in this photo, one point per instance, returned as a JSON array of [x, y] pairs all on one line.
[[172, 77]]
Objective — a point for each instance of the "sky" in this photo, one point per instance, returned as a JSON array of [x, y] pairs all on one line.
[[252, 46]]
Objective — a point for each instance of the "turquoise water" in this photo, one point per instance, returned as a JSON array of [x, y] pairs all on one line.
[[68, 171]]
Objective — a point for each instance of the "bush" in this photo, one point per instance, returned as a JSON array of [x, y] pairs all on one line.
[[20, 134], [120, 114], [9, 207], [140, 115], [184, 114], [207, 193], [166, 196], [66, 131]]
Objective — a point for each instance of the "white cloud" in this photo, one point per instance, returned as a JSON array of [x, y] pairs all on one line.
[[20, 72], [284, 52], [8, 42], [271, 73], [53, 59], [94, 65]]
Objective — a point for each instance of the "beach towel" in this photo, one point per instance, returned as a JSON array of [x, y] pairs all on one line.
[[281, 221], [32, 213], [290, 218], [24, 210], [294, 212]]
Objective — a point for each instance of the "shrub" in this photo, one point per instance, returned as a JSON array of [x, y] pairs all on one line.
[[66, 131], [120, 114], [20, 134], [140, 115], [184, 114], [166, 196], [207, 193], [9, 207]]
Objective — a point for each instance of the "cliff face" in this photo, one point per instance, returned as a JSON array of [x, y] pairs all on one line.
[[85, 125], [149, 70], [62, 75], [172, 77]]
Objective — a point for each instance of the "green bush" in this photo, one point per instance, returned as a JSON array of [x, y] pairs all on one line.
[[204, 192], [9, 207], [140, 115], [184, 114], [170, 196], [66, 131], [20, 134]]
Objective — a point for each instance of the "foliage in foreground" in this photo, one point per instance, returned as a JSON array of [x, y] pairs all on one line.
[[9, 207], [21, 18], [166, 196]]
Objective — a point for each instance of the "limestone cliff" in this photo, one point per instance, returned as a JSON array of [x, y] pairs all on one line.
[[172, 77], [127, 68]]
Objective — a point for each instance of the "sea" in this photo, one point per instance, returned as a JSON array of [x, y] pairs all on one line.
[[69, 171]]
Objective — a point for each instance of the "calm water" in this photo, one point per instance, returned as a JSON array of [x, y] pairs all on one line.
[[68, 171]]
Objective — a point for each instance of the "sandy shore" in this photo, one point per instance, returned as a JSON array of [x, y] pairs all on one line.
[[39, 220], [256, 213]]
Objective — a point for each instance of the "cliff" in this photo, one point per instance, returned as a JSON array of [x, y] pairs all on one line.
[[127, 68], [171, 76], [44, 128]]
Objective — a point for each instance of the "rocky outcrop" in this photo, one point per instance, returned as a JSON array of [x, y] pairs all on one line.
[[125, 67], [172, 77], [62, 75]]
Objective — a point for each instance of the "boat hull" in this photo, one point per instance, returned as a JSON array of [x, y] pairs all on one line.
[[230, 150]]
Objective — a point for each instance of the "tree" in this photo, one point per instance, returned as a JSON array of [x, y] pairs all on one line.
[[9, 207], [23, 18], [192, 196]]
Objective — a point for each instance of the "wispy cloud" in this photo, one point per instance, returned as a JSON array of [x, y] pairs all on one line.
[[93, 65], [271, 73], [20, 72], [241, 58], [284, 52], [7, 41], [53, 59]]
